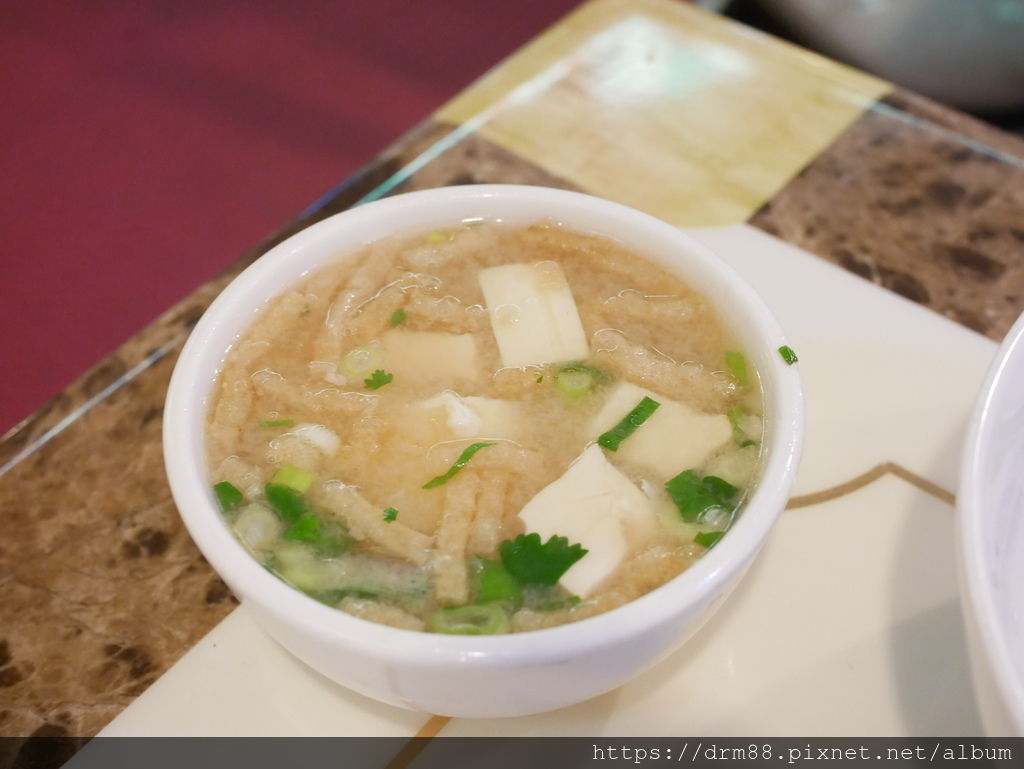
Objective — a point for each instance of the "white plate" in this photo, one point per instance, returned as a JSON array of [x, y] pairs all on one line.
[[991, 538]]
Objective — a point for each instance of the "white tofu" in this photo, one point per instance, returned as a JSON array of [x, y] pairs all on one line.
[[673, 439], [429, 355], [478, 417], [595, 505], [533, 314]]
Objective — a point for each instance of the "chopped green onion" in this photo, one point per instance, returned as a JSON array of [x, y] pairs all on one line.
[[540, 379], [574, 383], [737, 366], [362, 361], [788, 355], [294, 478], [485, 619], [398, 316], [306, 529], [334, 538], [534, 563], [640, 414], [708, 538], [390, 514], [694, 496], [286, 501], [277, 423], [378, 379], [459, 463], [493, 582], [736, 415], [575, 380], [227, 495]]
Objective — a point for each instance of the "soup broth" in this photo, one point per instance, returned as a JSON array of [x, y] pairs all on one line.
[[484, 429]]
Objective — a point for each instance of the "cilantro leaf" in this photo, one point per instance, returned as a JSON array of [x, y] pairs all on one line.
[[390, 514], [378, 379], [531, 562], [694, 495]]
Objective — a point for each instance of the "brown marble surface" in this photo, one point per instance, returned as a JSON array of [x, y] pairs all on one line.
[[101, 590], [921, 200]]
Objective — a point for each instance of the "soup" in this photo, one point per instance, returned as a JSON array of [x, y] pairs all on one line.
[[485, 429]]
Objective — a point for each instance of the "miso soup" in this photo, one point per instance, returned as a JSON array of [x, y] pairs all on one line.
[[485, 429]]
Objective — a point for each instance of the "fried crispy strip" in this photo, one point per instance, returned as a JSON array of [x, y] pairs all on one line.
[[368, 275], [247, 478], [306, 400], [447, 313], [366, 522], [372, 319], [451, 581], [488, 528], [689, 383], [231, 412]]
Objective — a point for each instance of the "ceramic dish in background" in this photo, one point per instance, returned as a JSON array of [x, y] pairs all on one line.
[[990, 530], [483, 676], [968, 54]]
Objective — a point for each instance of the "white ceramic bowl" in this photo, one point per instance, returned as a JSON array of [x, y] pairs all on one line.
[[483, 676], [990, 530]]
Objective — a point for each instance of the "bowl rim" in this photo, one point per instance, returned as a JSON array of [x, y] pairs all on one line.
[[980, 602], [191, 386]]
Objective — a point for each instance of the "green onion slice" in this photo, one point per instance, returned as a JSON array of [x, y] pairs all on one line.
[[736, 414], [708, 538], [640, 414], [306, 529], [398, 316], [294, 478], [788, 355], [483, 619], [277, 423], [493, 582], [227, 495], [574, 380], [459, 463], [574, 383], [390, 514], [362, 361], [286, 502], [737, 366]]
